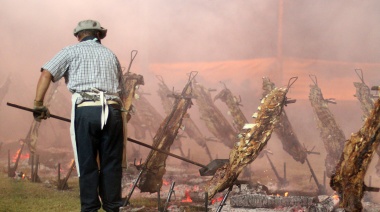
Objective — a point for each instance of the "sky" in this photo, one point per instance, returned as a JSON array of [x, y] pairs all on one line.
[[236, 42]]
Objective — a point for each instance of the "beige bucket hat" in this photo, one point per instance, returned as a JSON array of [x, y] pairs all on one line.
[[90, 24]]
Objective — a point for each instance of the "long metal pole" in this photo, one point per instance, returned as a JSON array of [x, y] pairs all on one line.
[[165, 152], [129, 139], [321, 188], [31, 110], [171, 190], [222, 203]]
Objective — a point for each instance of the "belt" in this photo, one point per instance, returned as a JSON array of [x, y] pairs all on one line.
[[96, 103]]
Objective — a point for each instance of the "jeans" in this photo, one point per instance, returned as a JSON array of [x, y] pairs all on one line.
[[101, 179]]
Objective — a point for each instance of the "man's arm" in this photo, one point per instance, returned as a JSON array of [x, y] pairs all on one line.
[[40, 111], [43, 85]]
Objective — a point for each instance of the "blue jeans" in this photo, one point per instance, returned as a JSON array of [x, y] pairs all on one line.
[[102, 181]]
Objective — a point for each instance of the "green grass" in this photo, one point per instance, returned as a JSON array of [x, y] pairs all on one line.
[[26, 196], [23, 195]]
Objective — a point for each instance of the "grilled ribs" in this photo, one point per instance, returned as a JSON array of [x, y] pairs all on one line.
[[252, 140], [331, 134]]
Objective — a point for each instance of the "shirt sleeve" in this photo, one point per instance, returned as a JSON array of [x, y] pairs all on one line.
[[58, 65]]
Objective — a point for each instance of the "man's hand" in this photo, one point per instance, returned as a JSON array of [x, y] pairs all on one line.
[[40, 111]]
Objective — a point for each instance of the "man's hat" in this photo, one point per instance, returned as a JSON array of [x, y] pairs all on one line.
[[90, 24]]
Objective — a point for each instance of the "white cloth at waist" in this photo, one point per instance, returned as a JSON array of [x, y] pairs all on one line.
[[96, 103]]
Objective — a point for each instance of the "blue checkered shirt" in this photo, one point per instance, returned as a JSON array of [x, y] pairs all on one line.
[[87, 65]]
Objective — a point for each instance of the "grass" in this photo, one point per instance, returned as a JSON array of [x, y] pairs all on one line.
[[23, 195]]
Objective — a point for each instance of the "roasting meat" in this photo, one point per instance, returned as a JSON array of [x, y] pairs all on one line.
[[348, 179], [331, 134], [189, 127], [151, 178], [363, 94], [233, 104], [252, 140], [131, 82], [284, 130], [216, 123]]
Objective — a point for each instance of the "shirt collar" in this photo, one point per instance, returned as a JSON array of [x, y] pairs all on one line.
[[91, 38]]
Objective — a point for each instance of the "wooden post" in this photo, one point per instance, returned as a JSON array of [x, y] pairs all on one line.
[[35, 177]]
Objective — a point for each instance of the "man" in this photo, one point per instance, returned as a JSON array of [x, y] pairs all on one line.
[[94, 77]]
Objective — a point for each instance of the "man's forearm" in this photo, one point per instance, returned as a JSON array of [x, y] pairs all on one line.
[[43, 85]]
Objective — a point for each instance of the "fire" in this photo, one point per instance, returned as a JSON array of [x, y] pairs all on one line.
[[219, 199], [22, 156], [187, 197], [335, 199], [165, 182], [279, 195]]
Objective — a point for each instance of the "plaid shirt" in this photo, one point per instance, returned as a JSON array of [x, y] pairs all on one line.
[[87, 65]]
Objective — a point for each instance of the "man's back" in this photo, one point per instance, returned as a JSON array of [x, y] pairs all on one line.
[[89, 65]]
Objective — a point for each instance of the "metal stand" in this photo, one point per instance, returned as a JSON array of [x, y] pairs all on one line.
[[62, 184], [169, 196], [206, 201], [282, 181], [222, 203], [321, 188]]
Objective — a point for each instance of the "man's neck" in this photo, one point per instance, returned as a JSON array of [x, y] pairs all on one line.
[[90, 38]]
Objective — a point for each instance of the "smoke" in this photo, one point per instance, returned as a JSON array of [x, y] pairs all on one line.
[[235, 42]]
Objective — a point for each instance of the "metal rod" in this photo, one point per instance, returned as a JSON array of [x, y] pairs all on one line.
[[133, 188], [171, 190], [281, 180], [320, 188], [31, 110], [68, 175], [158, 197], [206, 201], [129, 139], [165, 152], [224, 200]]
